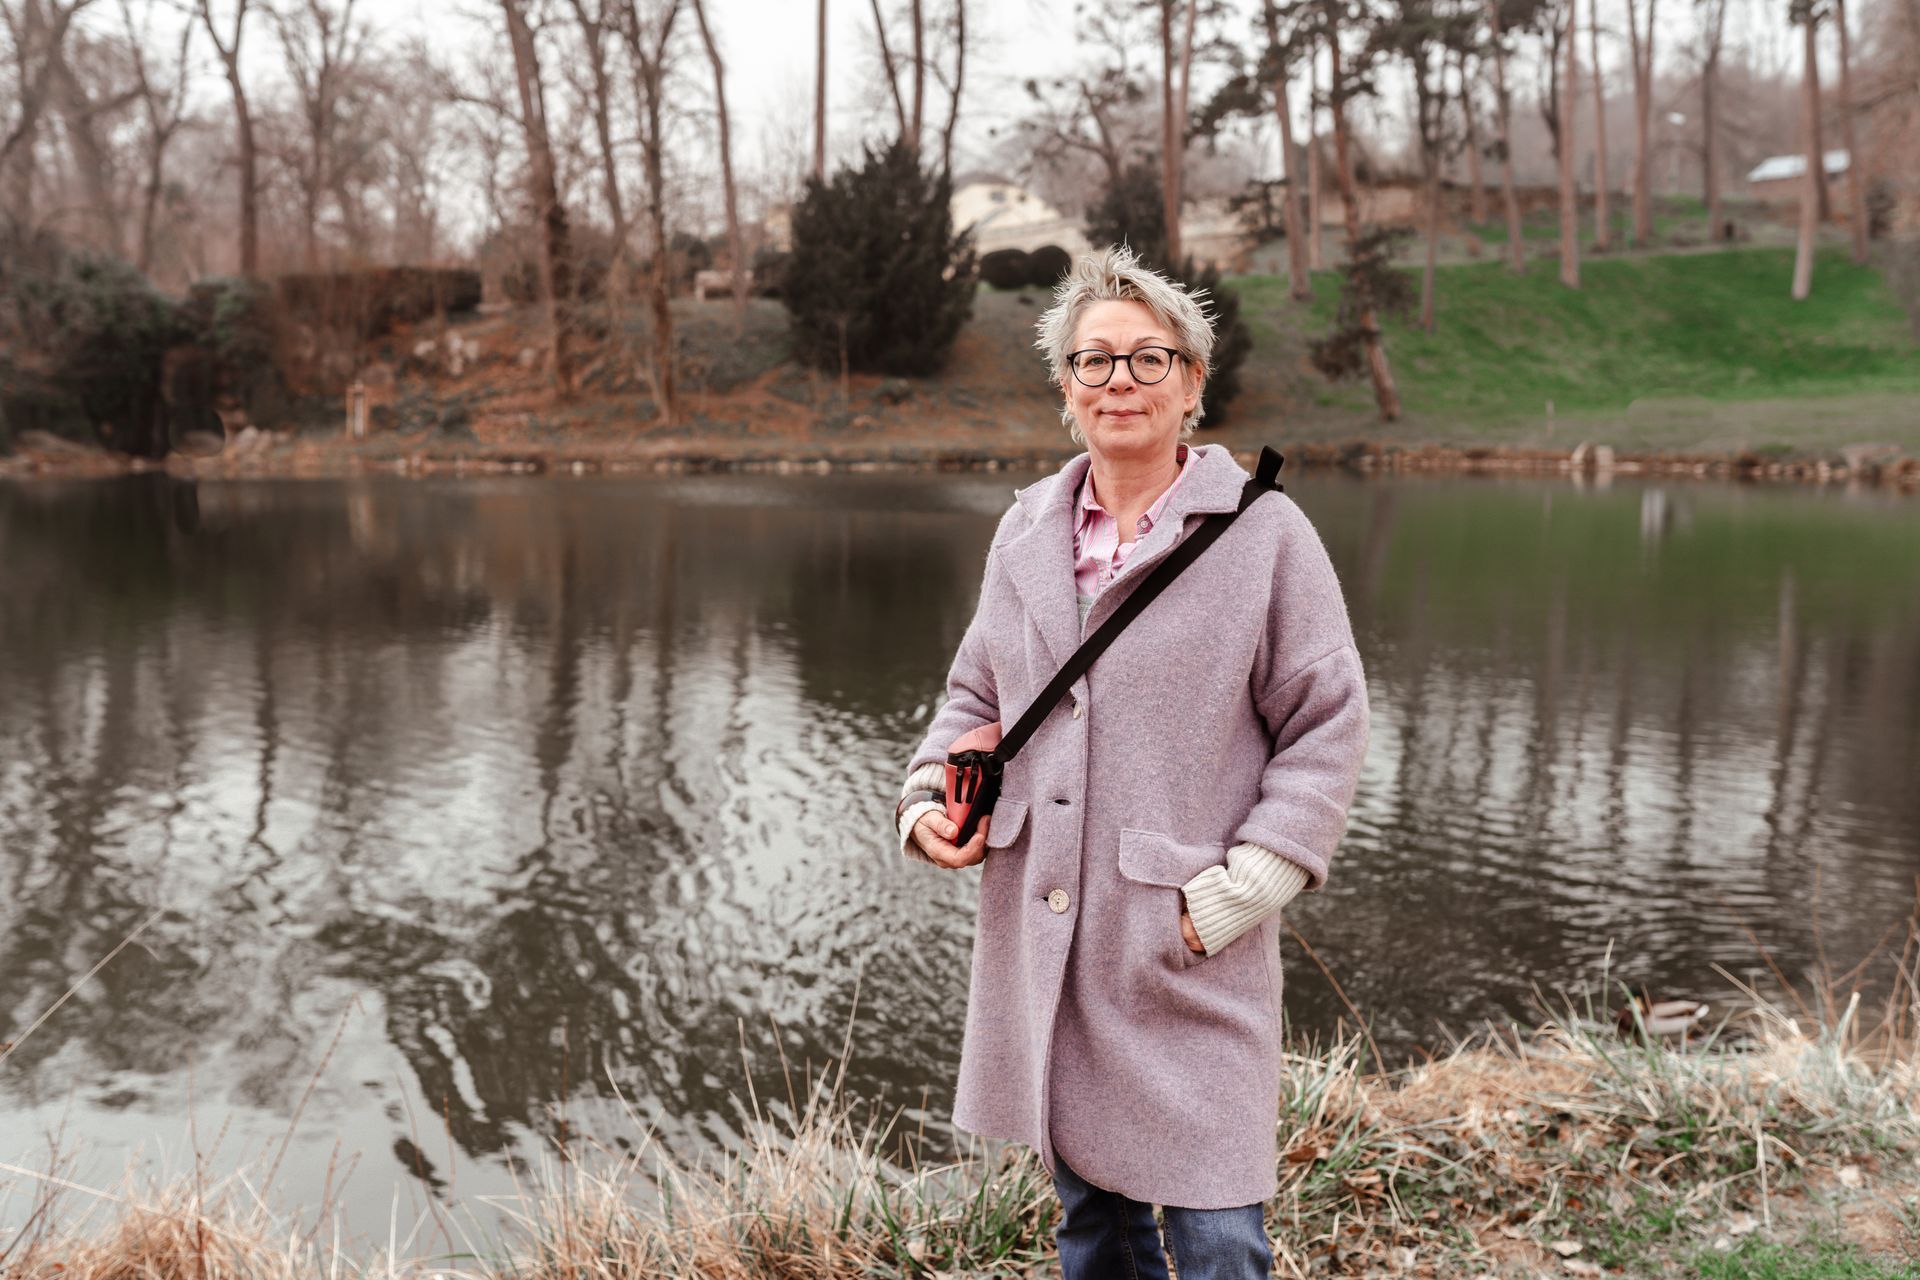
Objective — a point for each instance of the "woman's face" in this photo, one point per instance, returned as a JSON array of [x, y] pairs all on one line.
[[1128, 418]]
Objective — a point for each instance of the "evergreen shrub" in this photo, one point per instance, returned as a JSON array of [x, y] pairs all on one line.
[[879, 281], [1130, 212], [1006, 268], [1048, 265]]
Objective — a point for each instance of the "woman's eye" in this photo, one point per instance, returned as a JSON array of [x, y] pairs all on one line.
[[1093, 363], [1151, 361]]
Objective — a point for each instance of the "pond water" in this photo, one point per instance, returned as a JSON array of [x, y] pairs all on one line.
[[466, 814]]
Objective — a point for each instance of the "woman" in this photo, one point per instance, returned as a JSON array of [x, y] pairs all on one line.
[[1124, 1010]]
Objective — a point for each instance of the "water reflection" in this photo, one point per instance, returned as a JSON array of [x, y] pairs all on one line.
[[564, 794]]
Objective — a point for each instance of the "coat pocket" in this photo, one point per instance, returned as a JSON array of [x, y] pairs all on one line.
[[1149, 858], [1008, 820], [1146, 857]]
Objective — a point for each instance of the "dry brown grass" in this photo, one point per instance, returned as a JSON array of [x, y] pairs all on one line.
[[1557, 1148]]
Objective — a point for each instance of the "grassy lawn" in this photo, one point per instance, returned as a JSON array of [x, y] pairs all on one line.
[[1698, 327]]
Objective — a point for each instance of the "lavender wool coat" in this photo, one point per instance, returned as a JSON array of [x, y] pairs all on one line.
[[1233, 709]]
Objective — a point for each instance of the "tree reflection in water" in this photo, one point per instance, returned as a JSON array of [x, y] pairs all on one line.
[[539, 789]]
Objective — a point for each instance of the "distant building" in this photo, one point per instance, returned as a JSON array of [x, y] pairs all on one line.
[[1777, 180], [1006, 216]]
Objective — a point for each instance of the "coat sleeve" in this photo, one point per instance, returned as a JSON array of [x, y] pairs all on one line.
[[972, 699], [1311, 692]]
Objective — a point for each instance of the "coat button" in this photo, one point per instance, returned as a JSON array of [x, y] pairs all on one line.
[[1057, 900], [1076, 708]]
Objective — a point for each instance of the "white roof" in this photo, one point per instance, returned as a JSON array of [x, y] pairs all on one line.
[[1795, 165]]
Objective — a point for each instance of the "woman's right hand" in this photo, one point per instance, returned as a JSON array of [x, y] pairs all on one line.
[[934, 834]]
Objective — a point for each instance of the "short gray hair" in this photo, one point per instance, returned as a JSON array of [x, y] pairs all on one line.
[[1115, 274]]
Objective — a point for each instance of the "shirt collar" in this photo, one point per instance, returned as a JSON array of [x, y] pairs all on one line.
[[1087, 506]]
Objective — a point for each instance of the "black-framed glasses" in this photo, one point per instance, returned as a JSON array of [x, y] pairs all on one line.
[[1148, 365]]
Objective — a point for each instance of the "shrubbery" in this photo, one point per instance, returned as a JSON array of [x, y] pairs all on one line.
[[88, 335], [95, 353], [368, 302], [1130, 212], [879, 280], [1018, 269]]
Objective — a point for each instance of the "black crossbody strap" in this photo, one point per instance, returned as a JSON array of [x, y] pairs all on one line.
[[1265, 477]]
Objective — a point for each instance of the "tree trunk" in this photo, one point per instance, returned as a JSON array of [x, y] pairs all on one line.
[[1569, 198], [1642, 53], [243, 129], [1316, 248], [1476, 180], [1384, 392], [736, 244], [1173, 122], [1503, 112], [959, 80], [1809, 188], [648, 49], [556, 258], [1817, 129], [1299, 281], [1602, 218], [886, 66], [1433, 236], [820, 99], [919, 76], [1856, 192], [77, 113], [1710, 119]]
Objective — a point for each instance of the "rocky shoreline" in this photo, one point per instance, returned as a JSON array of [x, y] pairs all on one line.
[[279, 454]]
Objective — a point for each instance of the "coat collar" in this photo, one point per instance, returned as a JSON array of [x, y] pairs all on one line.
[[1040, 558]]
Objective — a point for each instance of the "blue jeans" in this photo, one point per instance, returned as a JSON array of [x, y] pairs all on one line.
[[1103, 1235]]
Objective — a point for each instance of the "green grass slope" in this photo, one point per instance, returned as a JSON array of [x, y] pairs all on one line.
[[1697, 331]]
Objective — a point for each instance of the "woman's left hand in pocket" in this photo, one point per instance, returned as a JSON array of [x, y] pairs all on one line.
[[1188, 932]]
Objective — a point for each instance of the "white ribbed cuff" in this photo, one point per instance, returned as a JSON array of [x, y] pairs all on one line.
[[1226, 901], [931, 776]]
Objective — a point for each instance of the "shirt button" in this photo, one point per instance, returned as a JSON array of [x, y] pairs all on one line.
[[1144, 525], [1057, 900]]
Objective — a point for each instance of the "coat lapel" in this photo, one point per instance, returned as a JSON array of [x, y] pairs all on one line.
[[1040, 560], [1214, 485]]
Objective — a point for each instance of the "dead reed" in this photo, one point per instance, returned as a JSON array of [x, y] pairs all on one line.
[[1561, 1146]]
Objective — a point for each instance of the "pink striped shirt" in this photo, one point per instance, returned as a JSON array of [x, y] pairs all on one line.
[[1098, 553]]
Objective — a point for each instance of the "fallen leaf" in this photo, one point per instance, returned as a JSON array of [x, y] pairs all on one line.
[[1850, 1175], [1742, 1224], [1565, 1248], [1583, 1268]]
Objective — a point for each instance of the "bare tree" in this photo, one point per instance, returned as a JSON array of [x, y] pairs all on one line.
[[322, 46], [229, 51], [953, 90], [1602, 219], [919, 76], [1641, 48], [1807, 14], [1316, 248], [887, 68], [1856, 190], [596, 29], [80, 116], [1278, 55], [1088, 114], [1173, 117], [736, 245], [1339, 89], [163, 95], [38, 32], [1713, 37], [1476, 181], [1503, 115], [820, 99], [649, 37], [556, 249], [1569, 197]]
